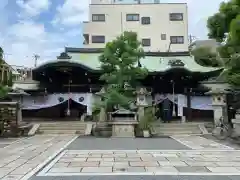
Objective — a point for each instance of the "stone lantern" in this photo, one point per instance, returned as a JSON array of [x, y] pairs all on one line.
[[219, 103], [102, 115], [142, 102], [18, 95]]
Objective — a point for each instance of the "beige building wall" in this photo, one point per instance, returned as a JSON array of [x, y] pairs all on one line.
[[160, 24]]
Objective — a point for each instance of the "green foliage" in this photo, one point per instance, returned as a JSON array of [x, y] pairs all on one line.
[[220, 23], [120, 71], [1, 54], [227, 20], [205, 57], [217, 27], [3, 91], [3, 88], [233, 71], [145, 122]]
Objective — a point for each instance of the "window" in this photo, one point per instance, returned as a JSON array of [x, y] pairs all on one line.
[[146, 20], [98, 17], [163, 36], [132, 17], [177, 39], [98, 39], [176, 16], [86, 38], [146, 42]]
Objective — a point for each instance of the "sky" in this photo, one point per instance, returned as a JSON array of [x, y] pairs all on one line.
[[45, 27]]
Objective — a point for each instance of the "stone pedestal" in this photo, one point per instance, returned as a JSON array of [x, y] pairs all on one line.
[[123, 129], [102, 115], [123, 123], [183, 119], [140, 112], [236, 126], [19, 114]]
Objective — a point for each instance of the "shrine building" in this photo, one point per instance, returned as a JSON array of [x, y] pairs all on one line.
[[71, 82]]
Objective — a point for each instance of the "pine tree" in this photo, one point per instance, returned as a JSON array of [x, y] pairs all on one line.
[[122, 72]]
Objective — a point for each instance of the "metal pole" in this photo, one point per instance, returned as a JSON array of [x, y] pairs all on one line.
[[121, 22], [68, 109], [173, 110]]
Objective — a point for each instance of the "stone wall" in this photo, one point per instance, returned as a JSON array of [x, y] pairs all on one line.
[[8, 118]]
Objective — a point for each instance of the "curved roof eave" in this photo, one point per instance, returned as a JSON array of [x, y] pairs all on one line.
[[68, 62], [210, 70]]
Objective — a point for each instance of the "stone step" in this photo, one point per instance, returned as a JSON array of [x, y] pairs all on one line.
[[177, 128], [179, 132], [63, 124], [175, 125], [171, 133], [60, 132], [63, 128]]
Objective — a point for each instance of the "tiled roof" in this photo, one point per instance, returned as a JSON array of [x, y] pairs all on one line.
[[152, 63], [90, 61]]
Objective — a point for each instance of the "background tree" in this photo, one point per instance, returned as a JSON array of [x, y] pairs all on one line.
[[3, 89], [220, 22], [205, 57], [227, 22], [121, 70]]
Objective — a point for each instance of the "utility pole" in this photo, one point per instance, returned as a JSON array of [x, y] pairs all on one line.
[[36, 57], [191, 39]]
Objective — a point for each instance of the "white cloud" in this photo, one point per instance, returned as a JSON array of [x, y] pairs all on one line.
[[26, 38], [27, 30], [33, 8], [72, 12]]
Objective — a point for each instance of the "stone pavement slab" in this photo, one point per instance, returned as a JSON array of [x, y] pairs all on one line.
[[132, 162], [20, 159], [158, 177], [7, 141]]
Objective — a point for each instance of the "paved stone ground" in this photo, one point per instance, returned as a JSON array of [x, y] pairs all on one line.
[[228, 142], [145, 162], [86, 157], [198, 142], [19, 159], [139, 178], [7, 141]]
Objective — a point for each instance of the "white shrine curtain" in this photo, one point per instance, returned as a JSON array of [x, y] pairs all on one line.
[[201, 102], [197, 102], [85, 99], [40, 102], [160, 97], [50, 100]]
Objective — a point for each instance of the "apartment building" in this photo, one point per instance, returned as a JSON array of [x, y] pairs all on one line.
[[161, 27]]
